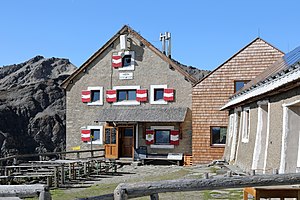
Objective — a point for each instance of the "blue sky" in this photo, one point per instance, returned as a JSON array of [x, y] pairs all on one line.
[[204, 33]]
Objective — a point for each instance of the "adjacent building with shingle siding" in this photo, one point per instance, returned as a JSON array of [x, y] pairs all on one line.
[[212, 92]]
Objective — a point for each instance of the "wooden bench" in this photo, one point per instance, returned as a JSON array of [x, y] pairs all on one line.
[[281, 192], [173, 158]]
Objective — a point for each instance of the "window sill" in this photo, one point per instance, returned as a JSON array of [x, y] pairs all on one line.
[[95, 142], [245, 141], [95, 104], [127, 103], [131, 68], [159, 102], [218, 145], [161, 146]]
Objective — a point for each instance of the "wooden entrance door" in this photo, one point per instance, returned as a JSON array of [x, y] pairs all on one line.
[[111, 142], [127, 141]]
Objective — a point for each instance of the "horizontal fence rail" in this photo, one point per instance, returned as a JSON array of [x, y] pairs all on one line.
[[152, 189], [40, 155], [25, 191]]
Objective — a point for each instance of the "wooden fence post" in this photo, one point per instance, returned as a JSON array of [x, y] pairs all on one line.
[[120, 193], [154, 196]]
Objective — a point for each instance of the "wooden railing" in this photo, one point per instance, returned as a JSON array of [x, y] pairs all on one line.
[[61, 155], [25, 191], [152, 189]]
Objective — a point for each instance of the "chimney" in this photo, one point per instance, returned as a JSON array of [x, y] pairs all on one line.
[[164, 38]]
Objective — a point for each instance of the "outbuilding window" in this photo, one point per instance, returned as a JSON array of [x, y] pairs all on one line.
[[245, 124], [239, 85], [218, 135]]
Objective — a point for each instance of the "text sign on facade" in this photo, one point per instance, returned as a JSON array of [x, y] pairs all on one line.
[[126, 76]]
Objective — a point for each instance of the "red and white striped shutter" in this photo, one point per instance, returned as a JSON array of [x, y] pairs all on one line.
[[169, 94], [141, 95], [149, 137], [116, 61], [85, 135], [86, 96], [111, 96], [174, 137]]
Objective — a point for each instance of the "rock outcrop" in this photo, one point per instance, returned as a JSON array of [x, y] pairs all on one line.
[[32, 106]]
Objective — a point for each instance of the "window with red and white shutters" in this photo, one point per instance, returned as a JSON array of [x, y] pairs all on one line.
[[149, 137], [142, 95], [85, 135], [111, 96], [116, 61], [86, 96], [174, 137], [169, 94]]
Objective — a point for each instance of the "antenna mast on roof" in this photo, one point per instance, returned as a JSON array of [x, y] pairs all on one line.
[[164, 38]]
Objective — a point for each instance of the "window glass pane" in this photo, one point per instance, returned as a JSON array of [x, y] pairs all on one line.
[[162, 137], [122, 95], [239, 84], [218, 135], [132, 95], [126, 61], [158, 94], [113, 135], [128, 132], [95, 95], [107, 136], [95, 134]]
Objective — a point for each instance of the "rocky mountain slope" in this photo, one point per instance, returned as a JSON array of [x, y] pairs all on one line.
[[32, 106]]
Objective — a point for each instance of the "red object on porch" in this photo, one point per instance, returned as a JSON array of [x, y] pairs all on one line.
[[149, 137]]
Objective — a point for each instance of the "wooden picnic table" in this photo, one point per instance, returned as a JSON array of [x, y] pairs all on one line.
[[281, 192]]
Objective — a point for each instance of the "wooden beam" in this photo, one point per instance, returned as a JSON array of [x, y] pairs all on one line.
[[25, 191], [133, 190]]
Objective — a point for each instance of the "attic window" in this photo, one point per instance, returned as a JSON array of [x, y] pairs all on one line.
[[127, 61]]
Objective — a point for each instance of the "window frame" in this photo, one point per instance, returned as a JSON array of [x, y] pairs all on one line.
[[162, 146], [131, 66], [126, 102], [100, 101], [211, 136], [236, 81], [100, 128], [127, 95], [245, 124], [155, 134], [152, 94]]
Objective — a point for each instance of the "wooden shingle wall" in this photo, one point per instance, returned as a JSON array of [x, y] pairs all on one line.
[[213, 92]]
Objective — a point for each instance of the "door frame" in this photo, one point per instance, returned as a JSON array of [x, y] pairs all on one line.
[[118, 144], [120, 137]]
